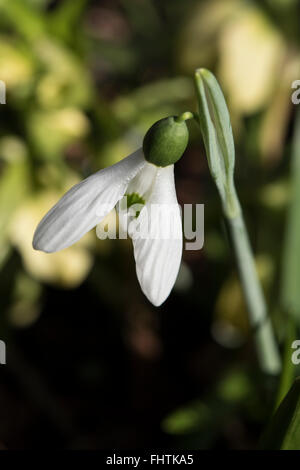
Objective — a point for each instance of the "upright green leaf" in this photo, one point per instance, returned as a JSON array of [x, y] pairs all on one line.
[[283, 431], [214, 121], [217, 134], [290, 294]]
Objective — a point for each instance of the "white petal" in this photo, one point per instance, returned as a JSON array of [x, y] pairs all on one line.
[[86, 204], [142, 185], [158, 256]]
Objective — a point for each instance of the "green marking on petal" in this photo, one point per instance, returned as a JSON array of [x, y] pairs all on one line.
[[135, 198]]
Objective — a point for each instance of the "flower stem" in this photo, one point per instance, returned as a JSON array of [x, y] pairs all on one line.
[[216, 130], [184, 116], [266, 345]]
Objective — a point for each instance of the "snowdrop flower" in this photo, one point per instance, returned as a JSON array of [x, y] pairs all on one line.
[[148, 175]]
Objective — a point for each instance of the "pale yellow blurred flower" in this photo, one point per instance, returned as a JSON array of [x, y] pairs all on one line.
[[198, 41], [68, 267], [15, 67], [12, 149], [276, 118], [66, 81], [72, 121], [53, 130], [251, 56], [276, 195]]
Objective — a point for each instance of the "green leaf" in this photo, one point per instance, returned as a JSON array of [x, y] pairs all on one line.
[[217, 135], [14, 186], [66, 18], [28, 21], [283, 431], [290, 294]]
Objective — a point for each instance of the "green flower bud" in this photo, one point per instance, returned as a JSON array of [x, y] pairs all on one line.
[[166, 140]]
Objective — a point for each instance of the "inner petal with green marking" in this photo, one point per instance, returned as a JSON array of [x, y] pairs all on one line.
[[135, 198]]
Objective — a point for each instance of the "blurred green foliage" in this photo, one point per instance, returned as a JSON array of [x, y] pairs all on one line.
[[85, 80], [283, 429]]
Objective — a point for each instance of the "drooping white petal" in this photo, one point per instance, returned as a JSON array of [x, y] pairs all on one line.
[[157, 238], [86, 204]]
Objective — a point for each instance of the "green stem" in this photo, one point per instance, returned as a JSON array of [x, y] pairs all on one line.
[[215, 126], [267, 350], [290, 293]]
